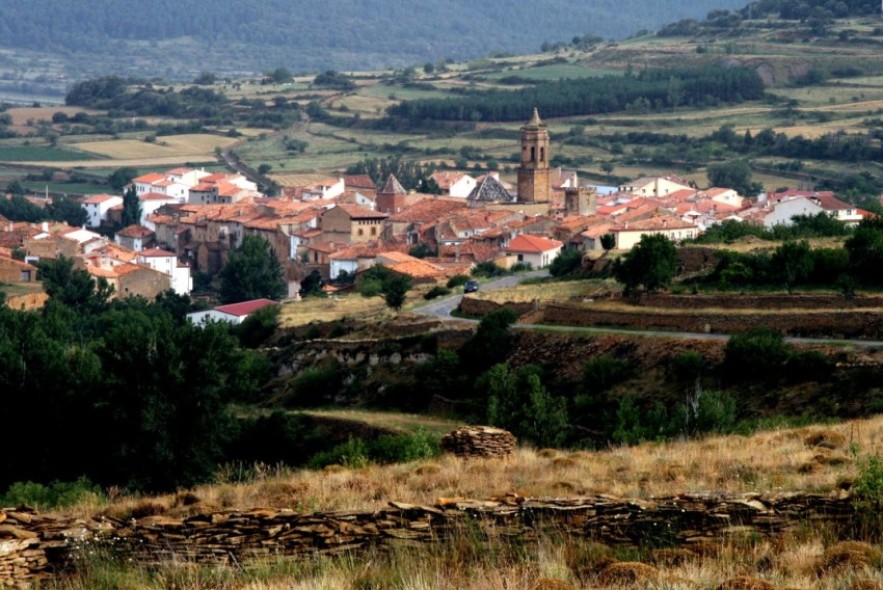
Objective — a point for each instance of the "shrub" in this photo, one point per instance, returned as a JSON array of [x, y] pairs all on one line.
[[353, 453], [760, 352], [488, 270], [867, 487], [58, 494], [313, 385], [521, 267], [437, 291], [566, 263], [370, 287], [457, 281]]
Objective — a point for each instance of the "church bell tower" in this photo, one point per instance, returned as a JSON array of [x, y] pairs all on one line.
[[533, 173]]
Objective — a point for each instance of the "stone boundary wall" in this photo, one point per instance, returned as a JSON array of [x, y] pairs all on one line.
[[472, 306], [34, 546], [846, 324], [757, 301]]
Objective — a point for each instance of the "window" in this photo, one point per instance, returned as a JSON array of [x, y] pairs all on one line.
[[373, 231], [542, 154], [533, 154], [361, 232]]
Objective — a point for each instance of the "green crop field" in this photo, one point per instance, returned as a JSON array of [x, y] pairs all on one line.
[[38, 153]]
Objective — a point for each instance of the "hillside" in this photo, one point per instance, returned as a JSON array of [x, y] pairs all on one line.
[[177, 40]]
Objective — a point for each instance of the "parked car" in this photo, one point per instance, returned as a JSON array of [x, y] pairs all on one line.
[[470, 287]]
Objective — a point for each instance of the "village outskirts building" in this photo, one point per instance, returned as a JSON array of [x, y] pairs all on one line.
[[537, 251], [233, 313]]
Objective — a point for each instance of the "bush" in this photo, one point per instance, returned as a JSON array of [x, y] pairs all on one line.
[[457, 281], [758, 353], [353, 453], [488, 270], [58, 494], [521, 267], [566, 263], [314, 385], [437, 291], [370, 287], [867, 492], [391, 448]]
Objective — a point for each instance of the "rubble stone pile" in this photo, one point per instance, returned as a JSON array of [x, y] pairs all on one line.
[[479, 441]]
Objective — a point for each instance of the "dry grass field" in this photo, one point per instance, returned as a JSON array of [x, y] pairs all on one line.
[[815, 459], [194, 146], [312, 309]]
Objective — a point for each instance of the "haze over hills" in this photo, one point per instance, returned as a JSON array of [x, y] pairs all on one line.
[[178, 39]]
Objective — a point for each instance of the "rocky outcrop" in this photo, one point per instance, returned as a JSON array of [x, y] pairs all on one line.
[[33, 546]]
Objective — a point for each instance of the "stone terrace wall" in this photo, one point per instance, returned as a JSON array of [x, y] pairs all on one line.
[[758, 301], [845, 324], [473, 306], [33, 546]]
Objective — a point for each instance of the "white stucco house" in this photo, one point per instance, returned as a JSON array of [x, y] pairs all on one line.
[[97, 207], [167, 263], [234, 313], [537, 251]]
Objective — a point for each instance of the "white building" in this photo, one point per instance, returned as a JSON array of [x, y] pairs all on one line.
[[784, 211], [234, 313], [537, 251], [97, 207], [167, 263]]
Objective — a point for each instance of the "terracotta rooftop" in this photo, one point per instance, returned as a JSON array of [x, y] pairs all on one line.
[[245, 307], [98, 199], [135, 231], [393, 187], [156, 253], [359, 212], [532, 244]]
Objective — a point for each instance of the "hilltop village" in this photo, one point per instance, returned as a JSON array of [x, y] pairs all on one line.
[[338, 226]]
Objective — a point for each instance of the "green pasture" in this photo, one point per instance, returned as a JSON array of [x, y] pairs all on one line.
[[41, 154]]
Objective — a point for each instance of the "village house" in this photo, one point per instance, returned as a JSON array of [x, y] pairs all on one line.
[[97, 207], [351, 224], [126, 278], [16, 271], [672, 227], [537, 251], [234, 313], [657, 186], [135, 237], [454, 184], [166, 262]]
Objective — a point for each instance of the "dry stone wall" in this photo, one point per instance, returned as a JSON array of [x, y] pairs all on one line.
[[836, 324], [34, 546]]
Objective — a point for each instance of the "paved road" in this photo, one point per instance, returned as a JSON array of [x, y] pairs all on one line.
[[444, 307]]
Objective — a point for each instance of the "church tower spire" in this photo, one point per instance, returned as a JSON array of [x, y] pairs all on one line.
[[534, 185]]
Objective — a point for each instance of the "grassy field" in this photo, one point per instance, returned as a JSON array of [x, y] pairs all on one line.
[[197, 146], [329, 309], [40, 153], [392, 421]]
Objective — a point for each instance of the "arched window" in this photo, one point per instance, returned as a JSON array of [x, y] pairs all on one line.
[[533, 154], [542, 154]]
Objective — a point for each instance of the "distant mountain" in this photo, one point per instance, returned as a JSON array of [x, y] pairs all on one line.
[[178, 38]]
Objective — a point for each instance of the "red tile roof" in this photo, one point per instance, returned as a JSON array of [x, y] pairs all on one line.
[[532, 244], [156, 253], [245, 307]]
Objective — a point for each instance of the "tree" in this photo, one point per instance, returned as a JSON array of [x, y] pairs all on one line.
[[566, 263], [608, 242], [395, 290], [652, 263], [131, 207], [65, 209], [793, 262], [252, 272], [121, 177], [735, 174], [518, 401], [74, 287], [280, 75]]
